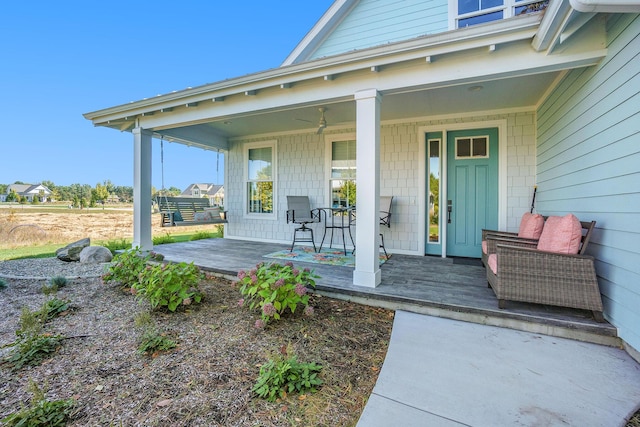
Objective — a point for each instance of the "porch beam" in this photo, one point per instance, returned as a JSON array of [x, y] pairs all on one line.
[[142, 189], [367, 270]]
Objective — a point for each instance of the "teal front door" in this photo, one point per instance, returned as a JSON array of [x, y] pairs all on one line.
[[472, 190]]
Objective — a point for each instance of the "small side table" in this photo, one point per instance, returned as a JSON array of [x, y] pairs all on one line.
[[339, 218]]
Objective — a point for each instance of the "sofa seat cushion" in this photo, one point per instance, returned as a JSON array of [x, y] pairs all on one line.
[[561, 234], [492, 261]]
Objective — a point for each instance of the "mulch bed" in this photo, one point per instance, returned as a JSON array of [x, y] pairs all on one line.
[[207, 379]]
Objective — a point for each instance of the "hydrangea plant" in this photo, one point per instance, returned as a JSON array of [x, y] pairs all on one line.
[[274, 288]]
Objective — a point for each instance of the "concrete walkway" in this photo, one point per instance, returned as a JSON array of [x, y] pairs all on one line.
[[441, 372]]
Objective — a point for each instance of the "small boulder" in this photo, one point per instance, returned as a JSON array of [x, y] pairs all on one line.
[[71, 252], [95, 255]]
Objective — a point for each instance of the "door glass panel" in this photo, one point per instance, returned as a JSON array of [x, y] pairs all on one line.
[[434, 191], [463, 147], [480, 147]]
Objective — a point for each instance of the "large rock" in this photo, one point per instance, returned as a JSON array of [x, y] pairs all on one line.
[[95, 255], [71, 252]]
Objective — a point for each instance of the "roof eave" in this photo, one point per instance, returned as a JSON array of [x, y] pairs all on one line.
[[513, 29]]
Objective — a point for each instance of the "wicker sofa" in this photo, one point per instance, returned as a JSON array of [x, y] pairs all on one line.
[[518, 271]]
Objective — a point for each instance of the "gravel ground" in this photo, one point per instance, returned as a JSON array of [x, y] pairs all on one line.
[[45, 268], [207, 379]]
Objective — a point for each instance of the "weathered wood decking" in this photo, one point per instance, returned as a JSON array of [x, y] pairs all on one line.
[[450, 288]]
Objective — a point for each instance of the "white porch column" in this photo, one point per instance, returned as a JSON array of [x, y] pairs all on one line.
[[367, 271], [142, 189]]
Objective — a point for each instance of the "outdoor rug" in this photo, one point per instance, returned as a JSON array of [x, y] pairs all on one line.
[[326, 256]]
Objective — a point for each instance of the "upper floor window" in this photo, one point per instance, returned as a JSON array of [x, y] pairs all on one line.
[[472, 12], [196, 192], [259, 178]]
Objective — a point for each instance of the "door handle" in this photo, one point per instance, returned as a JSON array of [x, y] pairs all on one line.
[[449, 209]]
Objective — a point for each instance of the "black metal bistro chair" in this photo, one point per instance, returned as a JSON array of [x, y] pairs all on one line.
[[385, 218], [299, 212]]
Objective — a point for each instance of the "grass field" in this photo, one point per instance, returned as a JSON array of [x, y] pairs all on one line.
[[28, 231]]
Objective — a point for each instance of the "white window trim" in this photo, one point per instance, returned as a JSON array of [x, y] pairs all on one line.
[[471, 156], [508, 7], [328, 141], [273, 144]]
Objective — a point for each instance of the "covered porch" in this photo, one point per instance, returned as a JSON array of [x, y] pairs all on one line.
[[453, 288]]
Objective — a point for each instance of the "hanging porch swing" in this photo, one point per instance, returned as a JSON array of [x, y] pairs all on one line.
[[176, 211]]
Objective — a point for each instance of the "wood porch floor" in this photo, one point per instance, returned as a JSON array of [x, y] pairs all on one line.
[[450, 288]]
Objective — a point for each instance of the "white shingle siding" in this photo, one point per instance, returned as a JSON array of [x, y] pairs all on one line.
[[588, 157], [301, 172]]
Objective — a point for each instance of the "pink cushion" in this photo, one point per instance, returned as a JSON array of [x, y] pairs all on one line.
[[561, 234], [484, 246], [531, 226], [492, 261]]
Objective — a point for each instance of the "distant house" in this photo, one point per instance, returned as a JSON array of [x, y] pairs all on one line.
[[214, 192], [30, 191]]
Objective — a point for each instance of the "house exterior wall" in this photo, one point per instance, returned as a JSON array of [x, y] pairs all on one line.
[[588, 157], [373, 23], [302, 171]]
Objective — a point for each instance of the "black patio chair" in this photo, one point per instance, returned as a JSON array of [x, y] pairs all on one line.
[[299, 212]]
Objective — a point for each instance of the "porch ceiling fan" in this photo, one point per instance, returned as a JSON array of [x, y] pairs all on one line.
[[323, 122]]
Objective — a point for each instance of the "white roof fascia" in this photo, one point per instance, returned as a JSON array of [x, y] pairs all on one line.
[[606, 6], [513, 29], [331, 18]]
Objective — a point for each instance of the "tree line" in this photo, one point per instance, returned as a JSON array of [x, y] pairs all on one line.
[[83, 195], [79, 195]]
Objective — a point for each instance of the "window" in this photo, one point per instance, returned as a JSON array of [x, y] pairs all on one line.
[[472, 12], [343, 173], [434, 190], [469, 148], [259, 173]]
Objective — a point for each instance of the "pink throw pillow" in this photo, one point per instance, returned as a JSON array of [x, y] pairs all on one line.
[[561, 234], [493, 263], [484, 246], [531, 226]]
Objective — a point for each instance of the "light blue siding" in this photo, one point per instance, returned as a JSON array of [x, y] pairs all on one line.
[[588, 163], [377, 22]]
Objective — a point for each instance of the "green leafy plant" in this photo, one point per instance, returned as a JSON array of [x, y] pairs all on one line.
[[32, 349], [153, 341], [274, 288], [32, 345], [161, 240], [53, 308], [284, 374], [3, 284], [169, 285], [125, 267], [41, 412]]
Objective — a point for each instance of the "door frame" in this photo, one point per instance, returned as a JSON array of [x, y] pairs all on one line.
[[422, 170]]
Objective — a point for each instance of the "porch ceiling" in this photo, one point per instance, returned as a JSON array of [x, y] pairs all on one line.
[[510, 93]]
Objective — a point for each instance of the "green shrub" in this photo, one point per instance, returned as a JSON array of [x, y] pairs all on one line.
[[161, 240], [54, 284], [117, 245], [199, 235], [125, 267], [3, 284], [169, 285], [274, 288], [282, 375], [41, 412]]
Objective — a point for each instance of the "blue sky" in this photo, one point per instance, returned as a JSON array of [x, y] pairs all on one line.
[[59, 60]]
